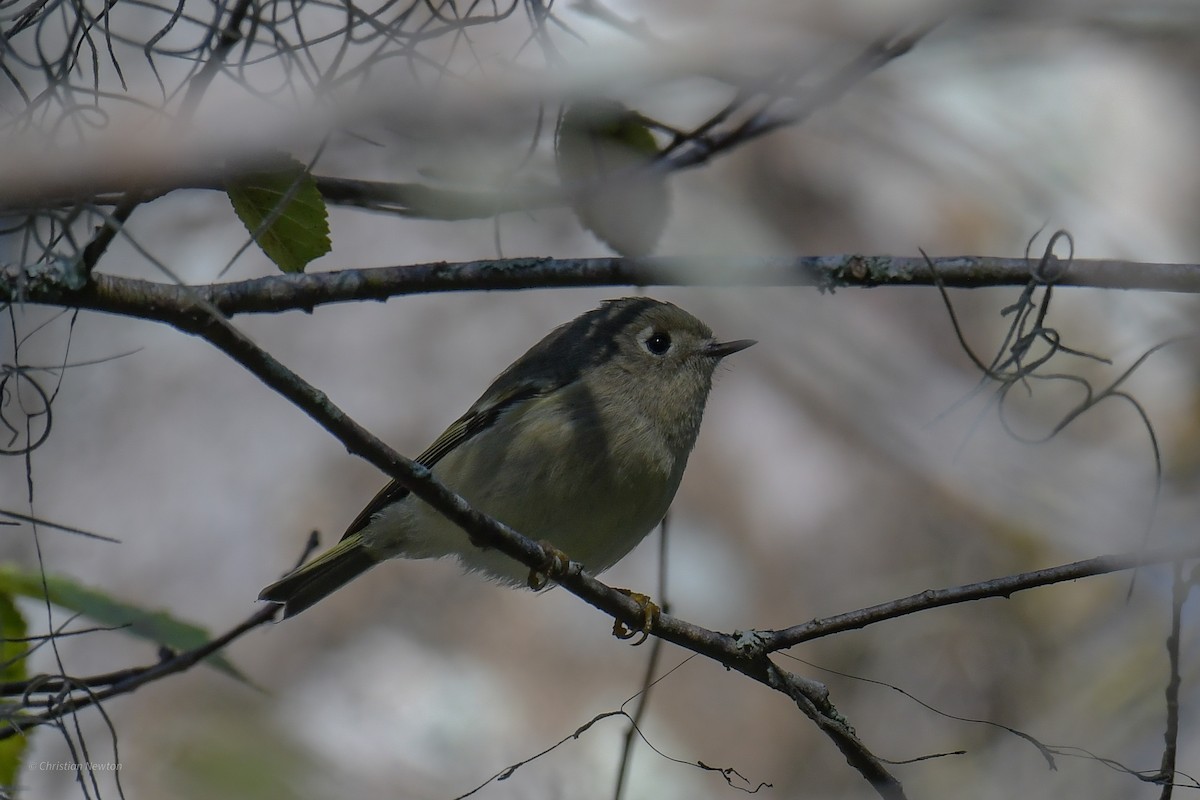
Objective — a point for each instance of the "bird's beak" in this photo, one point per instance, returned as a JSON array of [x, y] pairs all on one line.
[[722, 349]]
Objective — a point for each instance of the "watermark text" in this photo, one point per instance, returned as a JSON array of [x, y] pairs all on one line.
[[75, 766]]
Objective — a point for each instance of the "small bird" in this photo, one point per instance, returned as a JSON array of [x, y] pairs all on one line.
[[580, 443]]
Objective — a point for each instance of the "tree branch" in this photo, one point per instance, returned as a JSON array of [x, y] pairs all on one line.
[[782, 105], [1006, 586], [45, 285], [70, 695]]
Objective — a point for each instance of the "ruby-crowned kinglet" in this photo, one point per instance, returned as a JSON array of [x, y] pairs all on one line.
[[581, 442]]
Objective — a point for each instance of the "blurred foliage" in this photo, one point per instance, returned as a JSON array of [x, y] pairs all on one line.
[[605, 157], [13, 650], [158, 627]]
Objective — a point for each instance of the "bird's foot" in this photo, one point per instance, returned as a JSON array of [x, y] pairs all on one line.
[[556, 564], [650, 614]]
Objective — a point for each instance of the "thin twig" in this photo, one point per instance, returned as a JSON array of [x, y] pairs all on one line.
[[1005, 587]]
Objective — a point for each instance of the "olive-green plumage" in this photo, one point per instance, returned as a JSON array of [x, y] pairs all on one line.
[[581, 442]]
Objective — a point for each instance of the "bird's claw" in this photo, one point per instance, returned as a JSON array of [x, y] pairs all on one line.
[[650, 615], [557, 562]]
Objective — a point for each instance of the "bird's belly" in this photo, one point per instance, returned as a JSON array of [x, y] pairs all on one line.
[[595, 522]]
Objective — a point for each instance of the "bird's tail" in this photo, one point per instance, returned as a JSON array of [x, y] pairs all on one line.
[[310, 583]]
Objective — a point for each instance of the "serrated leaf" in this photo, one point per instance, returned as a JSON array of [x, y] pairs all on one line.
[[604, 154], [12, 668], [157, 627], [284, 212]]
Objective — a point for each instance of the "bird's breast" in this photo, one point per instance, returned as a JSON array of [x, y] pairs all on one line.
[[554, 471]]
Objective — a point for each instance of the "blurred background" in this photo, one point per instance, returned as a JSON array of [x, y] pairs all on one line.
[[845, 461]]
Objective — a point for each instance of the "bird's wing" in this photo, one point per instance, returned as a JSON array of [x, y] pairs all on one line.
[[480, 417]]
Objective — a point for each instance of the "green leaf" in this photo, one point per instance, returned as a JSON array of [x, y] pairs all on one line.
[[12, 668], [605, 153], [284, 212], [158, 627]]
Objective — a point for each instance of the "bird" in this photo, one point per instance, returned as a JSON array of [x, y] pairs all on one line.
[[580, 443]]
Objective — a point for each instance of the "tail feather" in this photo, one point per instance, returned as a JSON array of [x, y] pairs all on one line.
[[314, 581]]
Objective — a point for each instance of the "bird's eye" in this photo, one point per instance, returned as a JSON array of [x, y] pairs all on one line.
[[658, 343]]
